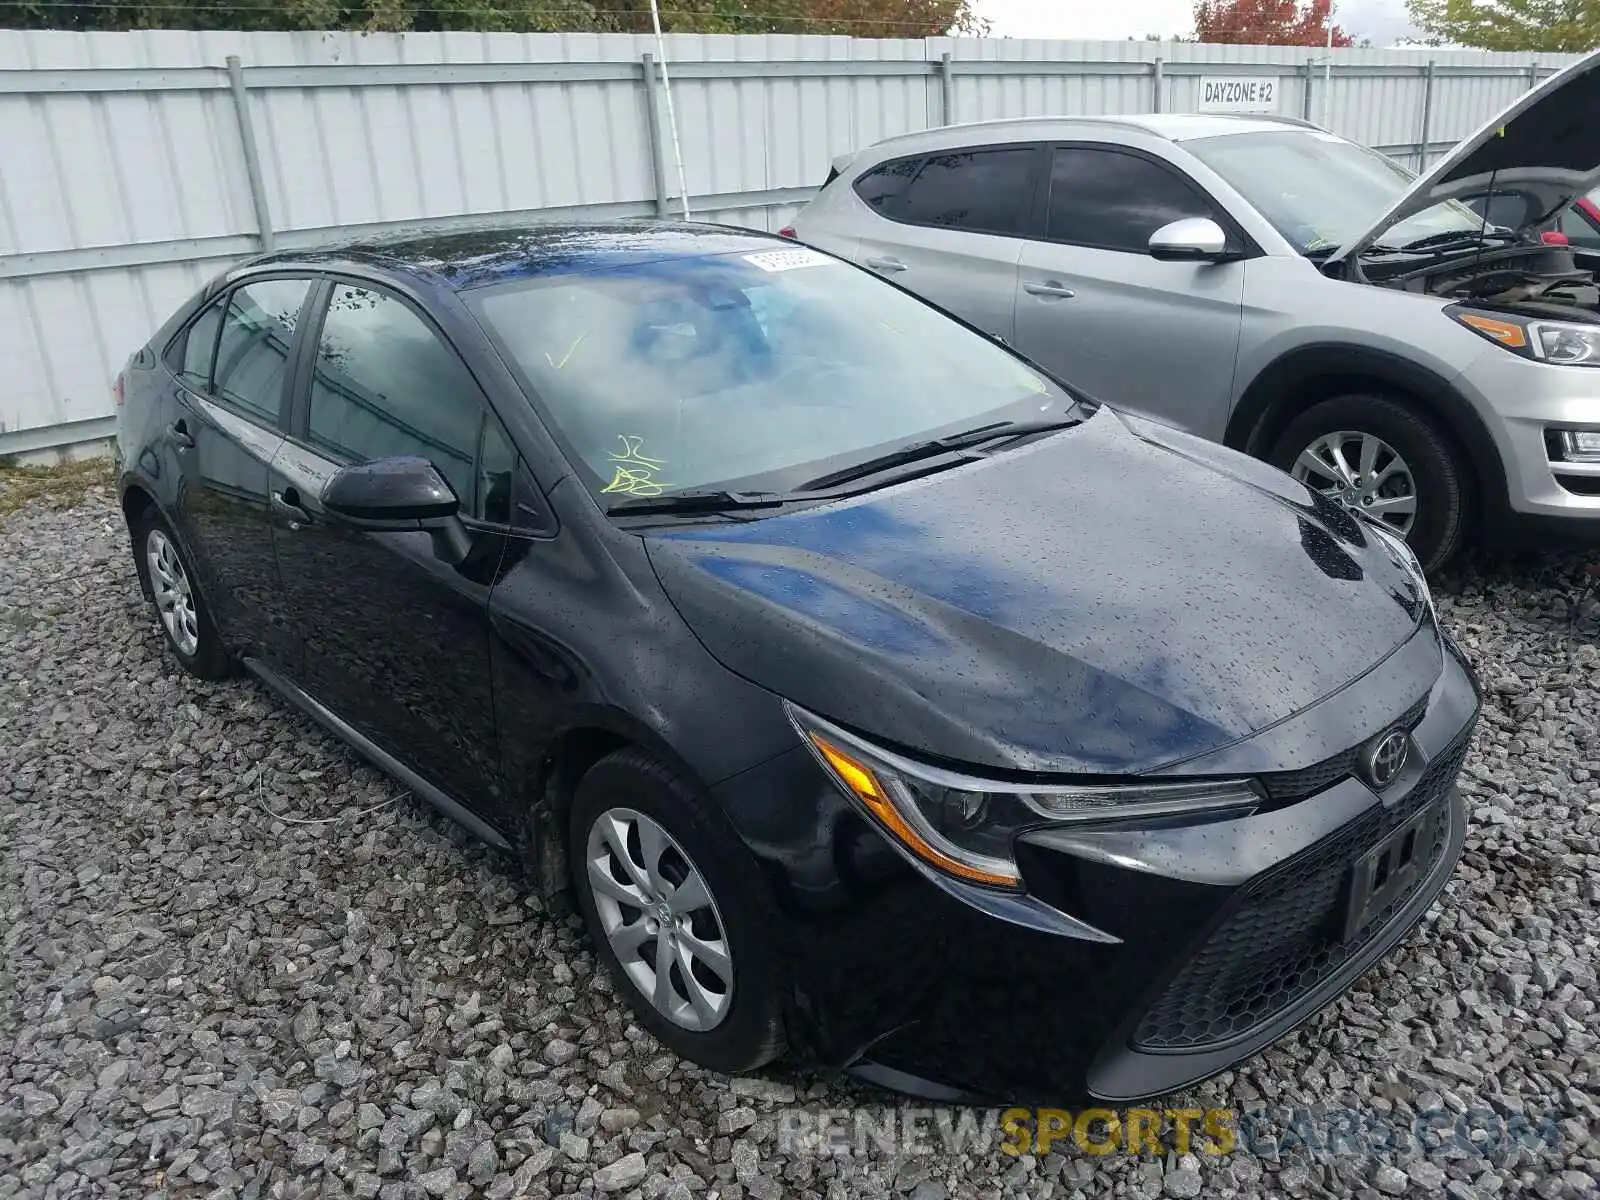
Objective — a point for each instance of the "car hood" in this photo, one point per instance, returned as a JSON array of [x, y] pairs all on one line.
[[1546, 144], [1113, 599]]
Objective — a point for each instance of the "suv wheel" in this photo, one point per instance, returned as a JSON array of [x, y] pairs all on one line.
[[1379, 457], [181, 609], [672, 901]]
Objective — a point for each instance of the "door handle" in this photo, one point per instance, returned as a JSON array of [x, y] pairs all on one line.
[[284, 504], [887, 264], [178, 431], [1048, 288]]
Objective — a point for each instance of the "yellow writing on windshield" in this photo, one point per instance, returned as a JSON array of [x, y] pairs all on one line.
[[633, 472]]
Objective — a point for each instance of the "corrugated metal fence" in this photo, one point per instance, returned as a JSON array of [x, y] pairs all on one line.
[[133, 166]]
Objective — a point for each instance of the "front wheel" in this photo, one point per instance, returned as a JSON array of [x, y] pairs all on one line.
[[674, 906], [1380, 457]]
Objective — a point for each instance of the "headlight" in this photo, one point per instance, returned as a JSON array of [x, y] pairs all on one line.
[[1563, 343], [1406, 559], [964, 825]]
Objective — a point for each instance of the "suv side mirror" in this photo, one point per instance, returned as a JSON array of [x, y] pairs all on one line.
[[391, 495], [1193, 239]]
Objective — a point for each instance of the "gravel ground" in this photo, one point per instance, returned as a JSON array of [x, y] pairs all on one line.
[[237, 963]]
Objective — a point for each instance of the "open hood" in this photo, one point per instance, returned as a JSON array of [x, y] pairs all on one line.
[[1545, 144]]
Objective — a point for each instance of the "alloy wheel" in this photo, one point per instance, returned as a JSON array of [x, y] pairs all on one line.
[[173, 593], [1362, 472], [660, 918]]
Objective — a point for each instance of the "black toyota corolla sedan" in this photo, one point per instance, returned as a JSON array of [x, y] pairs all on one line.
[[882, 700]]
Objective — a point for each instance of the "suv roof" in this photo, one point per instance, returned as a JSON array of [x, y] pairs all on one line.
[[1176, 127]]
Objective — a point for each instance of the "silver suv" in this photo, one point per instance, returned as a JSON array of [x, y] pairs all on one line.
[[1263, 283]]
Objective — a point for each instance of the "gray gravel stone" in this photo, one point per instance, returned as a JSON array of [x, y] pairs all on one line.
[[628, 1171], [437, 1183], [1389, 1181], [559, 1053]]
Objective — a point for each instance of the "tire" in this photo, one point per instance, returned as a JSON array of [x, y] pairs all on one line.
[[748, 1031], [204, 656], [1441, 519]]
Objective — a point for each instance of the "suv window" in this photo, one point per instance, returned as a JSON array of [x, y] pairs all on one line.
[[385, 384], [983, 191], [883, 186], [253, 350], [1114, 200]]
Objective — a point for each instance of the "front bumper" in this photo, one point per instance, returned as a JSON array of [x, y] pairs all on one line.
[[1521, 402], [1139, 962]]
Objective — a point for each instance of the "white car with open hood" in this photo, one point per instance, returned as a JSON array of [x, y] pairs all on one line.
[[1260, 282]]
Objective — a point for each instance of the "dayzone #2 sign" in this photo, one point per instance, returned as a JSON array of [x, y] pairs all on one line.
[[1238, 93]]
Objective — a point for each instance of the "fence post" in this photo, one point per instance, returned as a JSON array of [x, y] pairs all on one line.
[[1306, 75], [947, 90], [252, 160], [1157, 84], [1427, 117], [1533, 75], [658, 161]]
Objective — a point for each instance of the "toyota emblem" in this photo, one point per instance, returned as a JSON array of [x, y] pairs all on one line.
[[1386, 758]]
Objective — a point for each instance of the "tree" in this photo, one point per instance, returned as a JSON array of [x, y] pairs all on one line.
[[1563, 26], [1267, 23], [860, 18]]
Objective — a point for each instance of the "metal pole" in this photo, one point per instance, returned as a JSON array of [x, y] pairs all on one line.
[[1327, 77], [1157, 84], [252, 160], [672, 116], [1427, 115], [658, 158], [1305, 89], [947, 90]]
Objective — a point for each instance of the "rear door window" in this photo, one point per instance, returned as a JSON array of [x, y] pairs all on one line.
[[193, 356], [252, 362], [1114, 201], [981, 191]]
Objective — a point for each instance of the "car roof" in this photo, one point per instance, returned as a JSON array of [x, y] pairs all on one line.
[[1175, 127], [463, 258]]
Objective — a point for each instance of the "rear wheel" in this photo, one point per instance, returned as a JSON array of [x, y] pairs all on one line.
[[1378, 456], [674, 907], [181, 609]]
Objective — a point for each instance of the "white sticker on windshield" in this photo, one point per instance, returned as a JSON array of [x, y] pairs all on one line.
[[787, 260]]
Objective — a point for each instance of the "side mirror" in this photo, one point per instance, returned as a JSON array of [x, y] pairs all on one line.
[[1193, 239], [392, 495]]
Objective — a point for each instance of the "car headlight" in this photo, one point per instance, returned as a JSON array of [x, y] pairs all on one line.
[[964, 825], [1406, 559], [1562, 343]]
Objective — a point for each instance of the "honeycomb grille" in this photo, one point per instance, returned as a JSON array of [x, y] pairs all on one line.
[[1289, 786], [1283, 937]]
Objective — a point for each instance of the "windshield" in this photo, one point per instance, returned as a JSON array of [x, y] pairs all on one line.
[[1321, 191], [754, 370]]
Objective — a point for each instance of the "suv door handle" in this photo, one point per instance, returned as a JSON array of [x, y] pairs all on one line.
[[887, 264], [1048, 288], [178, 431], [285, 506]]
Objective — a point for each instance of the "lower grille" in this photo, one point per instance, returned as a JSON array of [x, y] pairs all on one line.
[[1283, 937]]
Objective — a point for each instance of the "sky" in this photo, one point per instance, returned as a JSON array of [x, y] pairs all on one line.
[[1384, 21]]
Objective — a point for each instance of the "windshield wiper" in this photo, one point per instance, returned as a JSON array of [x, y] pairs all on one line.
[[1450, 239], [933, 447], [700, 501]]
